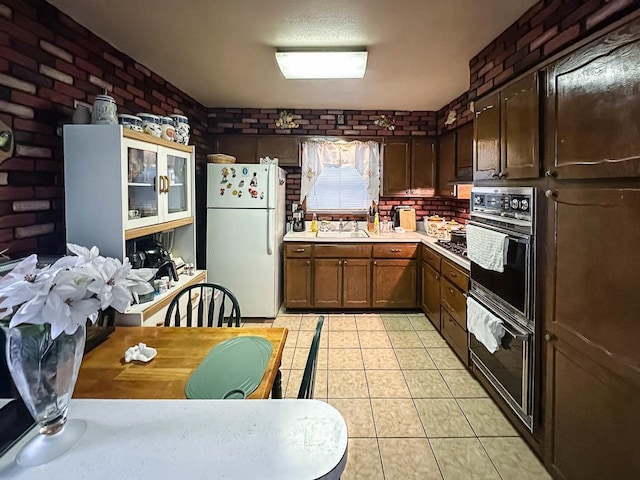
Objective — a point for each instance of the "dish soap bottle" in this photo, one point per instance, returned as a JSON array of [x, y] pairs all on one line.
[[376, 224], [314, 223]]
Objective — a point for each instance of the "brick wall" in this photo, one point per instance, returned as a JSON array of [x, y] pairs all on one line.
[[320, 122], [546, 28], [46, 62]]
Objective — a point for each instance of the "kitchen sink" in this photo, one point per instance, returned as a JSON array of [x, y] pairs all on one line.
[[343, 234]]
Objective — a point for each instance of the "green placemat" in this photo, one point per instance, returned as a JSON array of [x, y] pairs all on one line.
[[232, 369]]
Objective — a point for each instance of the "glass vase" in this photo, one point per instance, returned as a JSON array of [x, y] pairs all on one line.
[[45, 371]]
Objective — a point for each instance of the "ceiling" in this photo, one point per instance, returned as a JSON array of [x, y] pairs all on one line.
[[221, 52]]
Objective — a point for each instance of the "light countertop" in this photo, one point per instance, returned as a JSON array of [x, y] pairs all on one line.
[[197, 439], [419, 236]]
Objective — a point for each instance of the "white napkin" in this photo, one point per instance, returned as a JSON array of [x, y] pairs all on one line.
[[140, 352], [487, 248], [486, 327]]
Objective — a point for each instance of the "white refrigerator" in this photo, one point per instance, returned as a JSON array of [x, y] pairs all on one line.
[[245, 225]]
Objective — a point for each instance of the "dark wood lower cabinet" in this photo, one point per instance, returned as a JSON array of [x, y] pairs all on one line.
[[297, 283], [394, 283], [431, 294], [327, 283], [595, 418], [356, 283], [455, 335]]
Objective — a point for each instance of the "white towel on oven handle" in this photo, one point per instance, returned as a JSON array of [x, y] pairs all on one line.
[[486, 327], [487, 248]]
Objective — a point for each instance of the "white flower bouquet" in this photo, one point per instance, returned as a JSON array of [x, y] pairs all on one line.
[[70, 291]]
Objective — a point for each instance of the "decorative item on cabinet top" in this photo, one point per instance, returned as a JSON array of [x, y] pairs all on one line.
[[388, 122], [286, 121]]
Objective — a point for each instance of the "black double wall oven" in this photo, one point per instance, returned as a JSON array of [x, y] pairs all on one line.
[[509, 295]]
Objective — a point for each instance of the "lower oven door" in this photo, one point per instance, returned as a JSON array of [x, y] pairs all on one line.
[[509, 292], [509, 369]]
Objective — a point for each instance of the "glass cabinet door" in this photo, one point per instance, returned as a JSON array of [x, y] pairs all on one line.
[[142, 172], [179, 190]]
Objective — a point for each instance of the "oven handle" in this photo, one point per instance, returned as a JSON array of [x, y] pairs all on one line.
[[513, 329], [518, 237]]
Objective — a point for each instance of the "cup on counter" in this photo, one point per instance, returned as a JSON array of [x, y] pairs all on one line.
[[133, 214]]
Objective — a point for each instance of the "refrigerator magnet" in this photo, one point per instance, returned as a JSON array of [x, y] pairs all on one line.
[[261, 195], [234, 193], [254, 180], [225, 174], [229, 185], [241, 184], [233, 172], [239, 193], [245, 171], [222, 191], [253, 192]]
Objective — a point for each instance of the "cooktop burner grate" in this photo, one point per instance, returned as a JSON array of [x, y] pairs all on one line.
[[457, 248]]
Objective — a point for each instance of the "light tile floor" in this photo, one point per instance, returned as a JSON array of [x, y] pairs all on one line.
[[412, 410]]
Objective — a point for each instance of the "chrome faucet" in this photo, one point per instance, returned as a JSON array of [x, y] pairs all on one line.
[[354, 226], [341, 226]]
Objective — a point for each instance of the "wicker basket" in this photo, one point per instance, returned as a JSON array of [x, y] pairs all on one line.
[[220, 158]]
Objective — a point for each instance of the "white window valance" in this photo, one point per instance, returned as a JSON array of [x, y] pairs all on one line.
[[364, 157]]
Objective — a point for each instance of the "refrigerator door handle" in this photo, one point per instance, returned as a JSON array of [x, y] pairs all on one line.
[[269, 247]]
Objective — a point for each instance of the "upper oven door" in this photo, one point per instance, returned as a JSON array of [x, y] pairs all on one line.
[[509, 292]]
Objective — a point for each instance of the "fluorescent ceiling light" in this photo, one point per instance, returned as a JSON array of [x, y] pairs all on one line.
[[339, 63]]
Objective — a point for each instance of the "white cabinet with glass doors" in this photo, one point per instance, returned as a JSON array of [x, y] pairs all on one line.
[[158, 183], [122, 185]]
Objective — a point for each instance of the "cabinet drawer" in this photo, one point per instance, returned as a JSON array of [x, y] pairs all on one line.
[[431, 257], [336, 250], [454, 301], [455, 275], [298, 250], [395, 250], [455, 336]]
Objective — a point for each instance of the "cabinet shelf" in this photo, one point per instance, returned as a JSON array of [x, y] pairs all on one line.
[[136, 184], [160, 227], [158, 141]]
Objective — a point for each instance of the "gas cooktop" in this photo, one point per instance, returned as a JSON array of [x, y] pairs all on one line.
[[457, 248]]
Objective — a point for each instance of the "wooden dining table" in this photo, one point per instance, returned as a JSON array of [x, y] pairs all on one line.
[[104, 373]]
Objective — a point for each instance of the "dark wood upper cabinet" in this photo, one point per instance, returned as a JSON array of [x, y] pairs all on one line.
[[464, 152], [446, 164], [423, 166], [519, 129], [591, 112], [396, 167], [486, 138], [243, 147], [505, 138], [285, 148]]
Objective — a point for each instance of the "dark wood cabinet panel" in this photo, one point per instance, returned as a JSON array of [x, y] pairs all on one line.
[[455, 336], [396, 167], [423, 166], [432, 258], [297, 283], [356, 283], [338, 250], [299, 250], [327, 284], [454, 301], [446, 164], [464, 152], [486, 138], [455, 275], [243, 147], [395, 250], [591, 115], [519, 130], [394, 283], [593, 418], [285, 148], [431, 294], [591, 331]]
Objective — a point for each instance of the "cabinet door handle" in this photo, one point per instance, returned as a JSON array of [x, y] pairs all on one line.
[[339, 262], [548, 337], [451, 290], [164, 184], [395, 250], [551, 173], [375, 263], [453, 274], [308, 262], [168, 183], [494, 175], [159, 324], [299, 250], [437, 277], [345, 262], [502, 175]]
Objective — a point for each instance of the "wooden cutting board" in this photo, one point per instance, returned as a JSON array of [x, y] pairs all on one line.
[[408, 220]]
